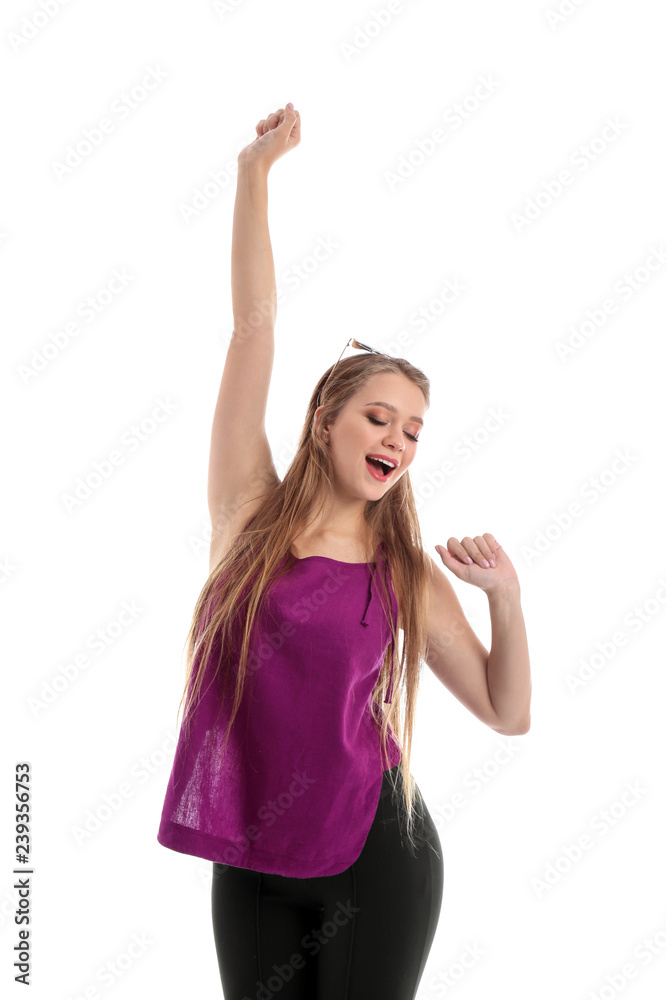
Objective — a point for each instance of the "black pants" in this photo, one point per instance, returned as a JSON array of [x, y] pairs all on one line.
[[361, 934]]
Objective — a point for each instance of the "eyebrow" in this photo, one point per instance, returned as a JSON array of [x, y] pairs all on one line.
[[392, 409]]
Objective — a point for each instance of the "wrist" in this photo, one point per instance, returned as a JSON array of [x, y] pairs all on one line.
[[252, 169], [507, 590]]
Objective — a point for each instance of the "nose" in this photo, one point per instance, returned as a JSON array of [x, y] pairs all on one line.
[[393, 441]]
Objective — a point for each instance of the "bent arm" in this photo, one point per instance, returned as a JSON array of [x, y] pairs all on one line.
[[509, 675], [495, 686]]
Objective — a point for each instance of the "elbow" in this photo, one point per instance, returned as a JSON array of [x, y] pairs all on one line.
[[520, 729], [514, 729]]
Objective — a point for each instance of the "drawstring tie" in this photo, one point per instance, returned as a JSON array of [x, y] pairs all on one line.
[[389, 693]]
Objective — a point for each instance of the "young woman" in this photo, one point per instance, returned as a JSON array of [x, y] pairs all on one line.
[[291, 772]]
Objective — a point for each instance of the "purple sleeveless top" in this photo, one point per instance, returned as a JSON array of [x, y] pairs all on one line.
[[298, 787]]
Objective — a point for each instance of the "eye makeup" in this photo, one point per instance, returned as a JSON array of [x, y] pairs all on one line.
[[383, 424]]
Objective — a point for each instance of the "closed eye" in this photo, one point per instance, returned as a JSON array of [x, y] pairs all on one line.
[[383, 424]]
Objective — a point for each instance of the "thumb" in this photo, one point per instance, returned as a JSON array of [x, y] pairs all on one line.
[[291, 122], [289, 116]]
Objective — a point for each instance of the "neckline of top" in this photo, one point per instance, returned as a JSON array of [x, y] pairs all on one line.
[[331, 559], [342, 562]]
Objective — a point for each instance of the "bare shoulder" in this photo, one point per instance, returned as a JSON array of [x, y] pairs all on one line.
[[224, 536]]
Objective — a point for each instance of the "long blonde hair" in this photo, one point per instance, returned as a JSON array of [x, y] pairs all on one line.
[[232, 595]]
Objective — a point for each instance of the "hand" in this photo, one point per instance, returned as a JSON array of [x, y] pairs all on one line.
[[276, 135], [502, 574]]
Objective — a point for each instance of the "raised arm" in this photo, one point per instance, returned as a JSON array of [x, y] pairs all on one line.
[[241, 466]]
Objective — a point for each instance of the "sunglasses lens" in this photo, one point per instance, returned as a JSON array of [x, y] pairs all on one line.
[[361, 347]]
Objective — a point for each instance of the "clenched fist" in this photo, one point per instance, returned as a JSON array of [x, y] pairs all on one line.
[[276, 135]]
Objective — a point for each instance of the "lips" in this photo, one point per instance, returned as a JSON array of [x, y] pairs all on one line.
[[375, 471]]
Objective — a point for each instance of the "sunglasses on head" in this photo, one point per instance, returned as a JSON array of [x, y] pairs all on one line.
[[350, 343]]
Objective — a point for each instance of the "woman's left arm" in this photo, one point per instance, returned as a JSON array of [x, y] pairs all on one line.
[[509, 679], [496, 686]]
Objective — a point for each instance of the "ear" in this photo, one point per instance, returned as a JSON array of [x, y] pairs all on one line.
[[318, 428]]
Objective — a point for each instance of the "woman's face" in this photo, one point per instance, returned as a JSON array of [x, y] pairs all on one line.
[[383, 418]]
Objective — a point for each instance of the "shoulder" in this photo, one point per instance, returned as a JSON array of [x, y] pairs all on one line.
[[438, 587]]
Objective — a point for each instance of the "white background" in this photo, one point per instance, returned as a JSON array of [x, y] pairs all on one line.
[[370, 95]]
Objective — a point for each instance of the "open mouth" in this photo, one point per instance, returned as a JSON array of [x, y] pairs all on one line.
[[378, 469]]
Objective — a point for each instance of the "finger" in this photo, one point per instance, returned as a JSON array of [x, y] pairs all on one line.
[[472, 549], [492, 542], [291, 120], [484, 546], [474, 552], [448, 559], [486, 550], [457, 549]]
